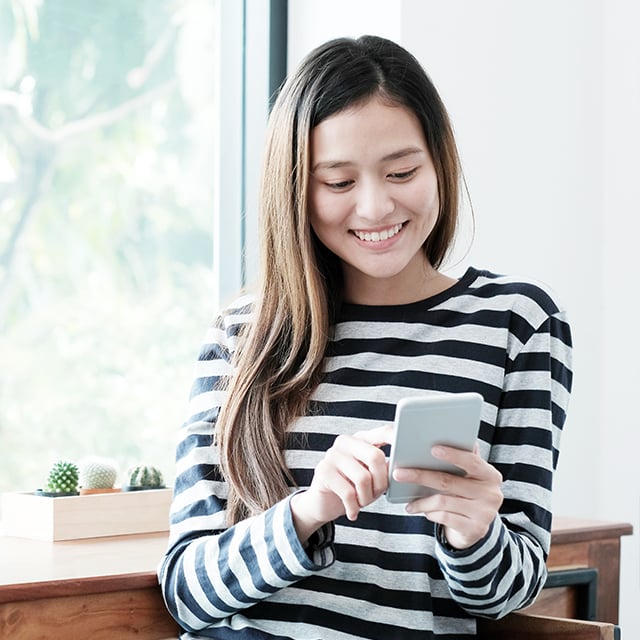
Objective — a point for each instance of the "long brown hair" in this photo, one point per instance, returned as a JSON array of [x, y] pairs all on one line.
[[279, 360]]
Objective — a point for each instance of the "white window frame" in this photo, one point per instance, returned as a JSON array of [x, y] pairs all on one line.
[[250, 78]]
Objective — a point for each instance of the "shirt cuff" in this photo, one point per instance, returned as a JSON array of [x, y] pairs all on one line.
[[318, 549], [444, 548]]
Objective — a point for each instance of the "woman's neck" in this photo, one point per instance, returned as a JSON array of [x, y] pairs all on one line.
[[418, 283]]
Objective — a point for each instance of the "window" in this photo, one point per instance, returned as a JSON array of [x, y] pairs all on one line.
[[112, 116]]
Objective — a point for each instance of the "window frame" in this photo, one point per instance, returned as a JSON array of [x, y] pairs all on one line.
[[251, 80]]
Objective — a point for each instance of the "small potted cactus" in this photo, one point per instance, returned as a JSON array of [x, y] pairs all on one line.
[[142, 477], [30, 515], [62, 480], [97, 475]]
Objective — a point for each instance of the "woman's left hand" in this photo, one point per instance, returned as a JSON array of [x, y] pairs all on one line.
[[465, 505]]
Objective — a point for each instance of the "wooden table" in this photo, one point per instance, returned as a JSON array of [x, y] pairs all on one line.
[[576, 546], [96, 588], [106, 588]]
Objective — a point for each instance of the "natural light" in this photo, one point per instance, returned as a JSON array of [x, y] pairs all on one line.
[[108, 125]]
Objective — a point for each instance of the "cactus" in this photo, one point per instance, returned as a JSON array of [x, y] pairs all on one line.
[[63, 478], [97, 473], [145, 477]]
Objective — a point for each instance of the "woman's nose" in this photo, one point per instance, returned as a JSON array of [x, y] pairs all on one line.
[[373, 200]]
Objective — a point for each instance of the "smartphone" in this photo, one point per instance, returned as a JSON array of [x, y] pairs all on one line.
[[421, 422]]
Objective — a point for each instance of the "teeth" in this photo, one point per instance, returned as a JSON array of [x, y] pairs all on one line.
[[376, 236]]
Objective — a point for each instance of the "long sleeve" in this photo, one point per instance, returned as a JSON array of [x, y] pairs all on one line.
[[210, 571], [506, 570], [210, 577]]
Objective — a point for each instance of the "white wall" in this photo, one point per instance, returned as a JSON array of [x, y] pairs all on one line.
[[545, 101], [619, 482], [521, 93], [312, 22]]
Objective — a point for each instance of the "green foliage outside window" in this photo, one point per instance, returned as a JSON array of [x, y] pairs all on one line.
[[107, 154]]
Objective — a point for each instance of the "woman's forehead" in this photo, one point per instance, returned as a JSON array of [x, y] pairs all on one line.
[[376, 129]]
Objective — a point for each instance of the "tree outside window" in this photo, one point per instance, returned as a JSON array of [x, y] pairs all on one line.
[[107, 152]]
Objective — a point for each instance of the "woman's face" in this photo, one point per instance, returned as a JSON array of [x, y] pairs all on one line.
[[374, 199]]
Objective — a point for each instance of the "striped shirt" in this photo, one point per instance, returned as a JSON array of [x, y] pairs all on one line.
[[386, 575]]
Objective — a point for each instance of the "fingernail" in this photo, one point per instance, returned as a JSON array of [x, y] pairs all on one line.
[[438, 452], [402, 475]]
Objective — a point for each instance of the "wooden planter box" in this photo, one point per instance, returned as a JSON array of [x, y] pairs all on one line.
[[26, 515]]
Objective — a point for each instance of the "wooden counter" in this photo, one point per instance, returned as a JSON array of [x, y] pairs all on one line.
[[578, 545], [97, 588], [33, 568], [106, 588]]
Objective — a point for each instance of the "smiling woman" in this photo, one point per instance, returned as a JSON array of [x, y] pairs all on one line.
[[374, 201], [280, 527]]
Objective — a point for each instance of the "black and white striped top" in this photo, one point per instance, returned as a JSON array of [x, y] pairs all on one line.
[[385, 575]]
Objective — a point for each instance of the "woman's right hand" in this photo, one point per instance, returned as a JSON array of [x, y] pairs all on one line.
[[352, 474]]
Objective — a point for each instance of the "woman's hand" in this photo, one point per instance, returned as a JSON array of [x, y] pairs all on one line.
[[467, 505], [352, 474]]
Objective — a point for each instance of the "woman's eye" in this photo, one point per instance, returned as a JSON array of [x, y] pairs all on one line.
[[403, 175], [338, 186]]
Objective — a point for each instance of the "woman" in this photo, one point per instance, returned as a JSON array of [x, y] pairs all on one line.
[[280, 528]]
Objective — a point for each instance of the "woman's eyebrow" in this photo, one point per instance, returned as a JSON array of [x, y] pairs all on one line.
[[402, 153], [396, 155]]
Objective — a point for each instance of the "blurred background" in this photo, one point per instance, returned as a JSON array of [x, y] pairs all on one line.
[[108, 142]]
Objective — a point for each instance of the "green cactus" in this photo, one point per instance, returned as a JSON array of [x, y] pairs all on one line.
[[97, 473], [63, 478], [145, 477]]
